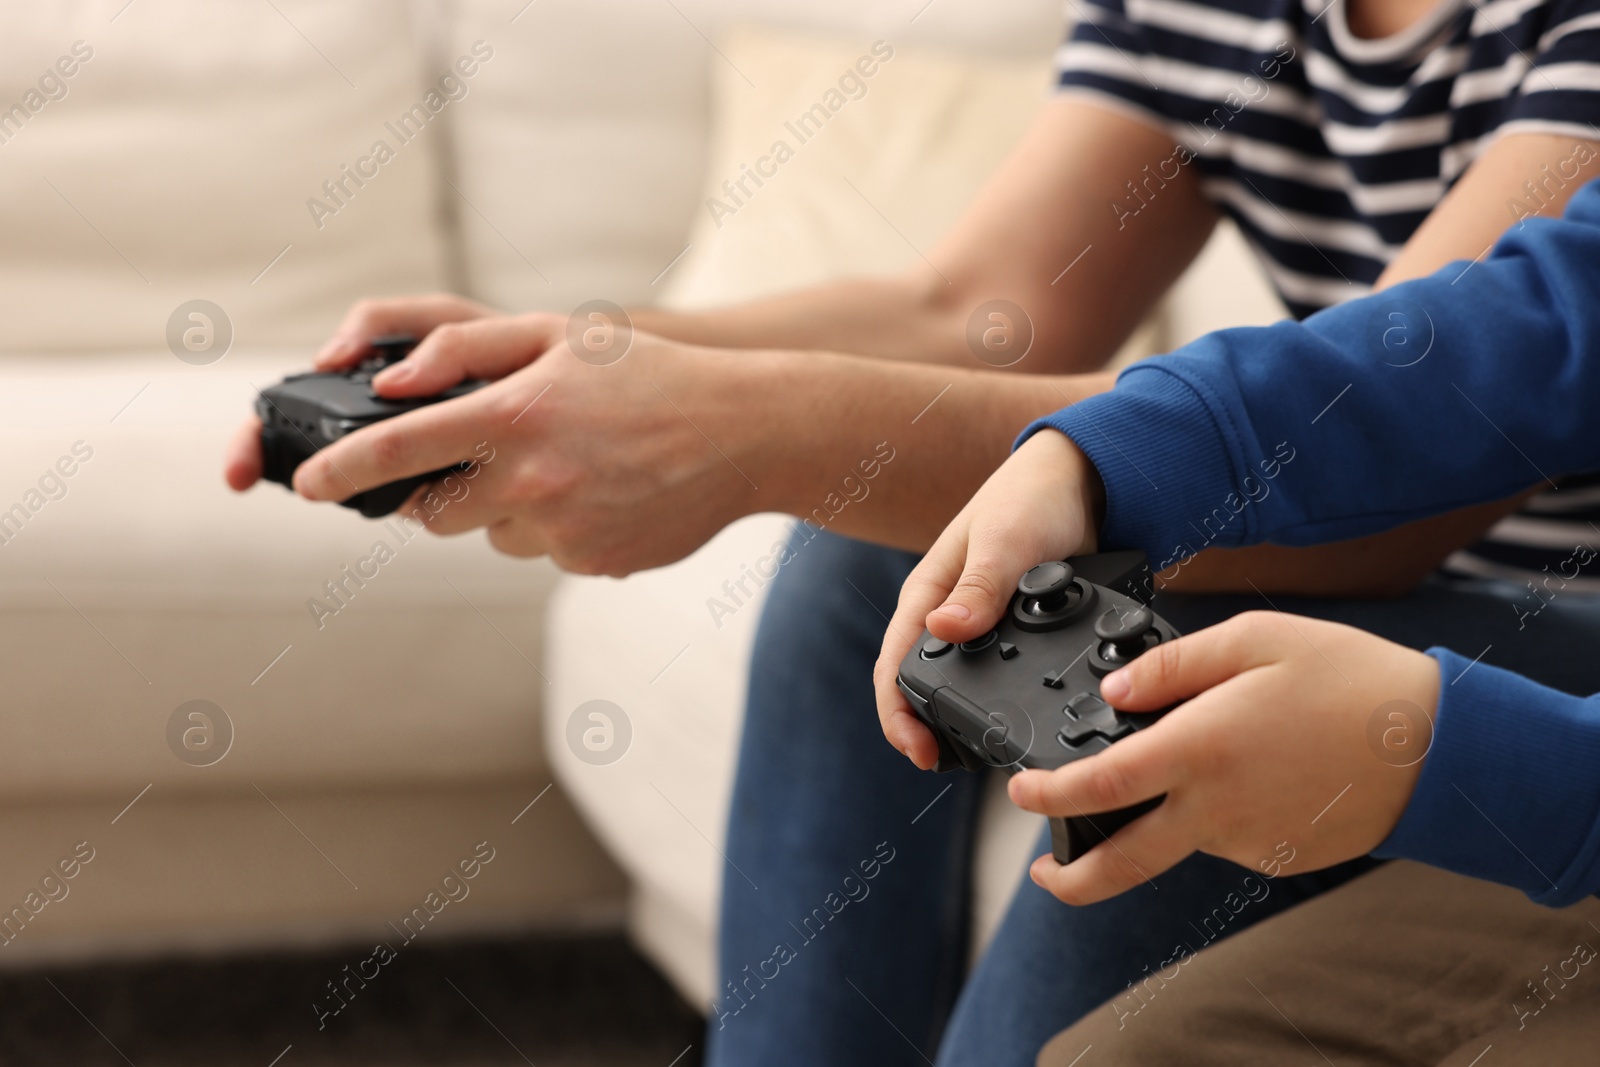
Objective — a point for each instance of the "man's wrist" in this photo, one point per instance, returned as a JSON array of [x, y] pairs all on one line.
[[761, 409]]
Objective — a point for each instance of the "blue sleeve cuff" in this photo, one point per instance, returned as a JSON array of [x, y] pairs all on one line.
[[1510, 789], [1168, 493]]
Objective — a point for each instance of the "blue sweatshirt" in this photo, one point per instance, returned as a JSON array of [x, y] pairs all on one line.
[[1455, 389]]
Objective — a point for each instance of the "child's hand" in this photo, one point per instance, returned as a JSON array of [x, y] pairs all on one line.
[[1302, 739], [1042, 504]]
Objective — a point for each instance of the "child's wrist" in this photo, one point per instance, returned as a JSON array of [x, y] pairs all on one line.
[[1083, 483]]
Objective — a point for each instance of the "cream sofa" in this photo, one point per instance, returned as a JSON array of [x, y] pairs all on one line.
[[154, 154], [204, 151]]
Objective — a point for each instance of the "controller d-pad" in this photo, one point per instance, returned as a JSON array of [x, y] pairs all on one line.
[[1088, 716]]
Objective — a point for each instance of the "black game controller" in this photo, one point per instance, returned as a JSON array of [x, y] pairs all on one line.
[[1027, 693], [307, 412]]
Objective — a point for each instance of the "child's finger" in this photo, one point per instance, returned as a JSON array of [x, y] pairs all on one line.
[[997, 555], [1178, 670], [899, 724], [1137, 768], [1129, 858], [925, 587]]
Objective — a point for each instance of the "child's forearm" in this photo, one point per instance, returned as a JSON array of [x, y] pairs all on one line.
[[1465, 387], [1510, 789]]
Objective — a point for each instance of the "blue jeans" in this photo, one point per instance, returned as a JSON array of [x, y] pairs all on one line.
[[844, 927]]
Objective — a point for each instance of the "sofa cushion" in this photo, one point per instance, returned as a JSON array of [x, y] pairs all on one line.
[[178, 159], [581, 156], [139, 582], [860, 185]]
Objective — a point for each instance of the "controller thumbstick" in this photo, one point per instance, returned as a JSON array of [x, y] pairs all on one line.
[[1048, 583], [1124, 633], [392, 348]]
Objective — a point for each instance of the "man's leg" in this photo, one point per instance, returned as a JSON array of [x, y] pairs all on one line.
[[1405, 966], [843, 933]]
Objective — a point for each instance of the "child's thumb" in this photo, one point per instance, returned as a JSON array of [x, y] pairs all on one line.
[[978, 599]]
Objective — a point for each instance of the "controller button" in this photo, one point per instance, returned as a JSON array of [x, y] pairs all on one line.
[[933, 647], [978, 644], [1090, 717], [1094, 714], [1047, 583], [1055, 679], [1007, 650], [1125, 633], [1088, 747]]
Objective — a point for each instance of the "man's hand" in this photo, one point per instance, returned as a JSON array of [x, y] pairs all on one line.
[[366, 319], [1297, 747], [603, 468], [1042, 504]]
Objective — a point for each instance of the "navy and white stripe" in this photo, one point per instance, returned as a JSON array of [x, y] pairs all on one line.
[[1329, 150]]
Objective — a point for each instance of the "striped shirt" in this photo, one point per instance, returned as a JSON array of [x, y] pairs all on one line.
[[1329, 150]]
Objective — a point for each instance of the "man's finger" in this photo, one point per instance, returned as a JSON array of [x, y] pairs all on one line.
[[1129, 858], [414, 315], [1178, 670], [241, 464], [419, 442], [455, 503], [517, 537], [1133, 770], [483, 348]]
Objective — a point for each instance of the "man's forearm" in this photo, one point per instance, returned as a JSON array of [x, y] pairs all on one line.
[[899, 318], [1040, 235], [885, 452]]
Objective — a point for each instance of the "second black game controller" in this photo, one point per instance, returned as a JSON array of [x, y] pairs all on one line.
[[305, 413], [1026, 694]]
